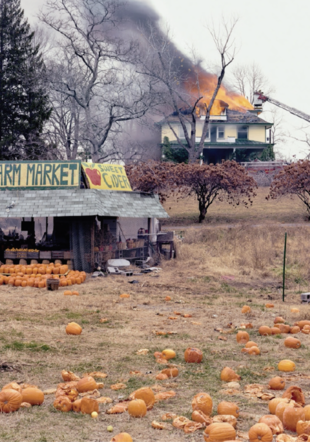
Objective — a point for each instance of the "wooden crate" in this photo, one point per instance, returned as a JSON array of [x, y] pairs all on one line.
[[10, 255], [33, 255], [57, 254], [45, 255], [22, 254]]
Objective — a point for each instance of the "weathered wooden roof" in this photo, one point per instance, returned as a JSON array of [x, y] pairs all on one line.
[[79, 202]]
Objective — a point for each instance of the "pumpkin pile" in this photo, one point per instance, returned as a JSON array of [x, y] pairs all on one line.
[[35, 275], [14, 396]]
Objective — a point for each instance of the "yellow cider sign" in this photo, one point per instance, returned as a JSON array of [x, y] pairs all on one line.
[[106, 176], [34, 175]]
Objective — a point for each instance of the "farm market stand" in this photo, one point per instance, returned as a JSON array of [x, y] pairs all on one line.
[[73, 213]]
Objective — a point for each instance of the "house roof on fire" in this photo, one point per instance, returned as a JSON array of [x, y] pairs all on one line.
[[233, 117], [79, 202]]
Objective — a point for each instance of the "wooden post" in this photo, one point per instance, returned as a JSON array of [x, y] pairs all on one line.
[[284, 258]]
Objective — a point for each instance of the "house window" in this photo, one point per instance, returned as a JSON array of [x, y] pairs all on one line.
[[243, 133], [220, 133]]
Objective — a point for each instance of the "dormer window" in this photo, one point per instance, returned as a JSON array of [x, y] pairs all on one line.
[[243, 133], [221, 133]]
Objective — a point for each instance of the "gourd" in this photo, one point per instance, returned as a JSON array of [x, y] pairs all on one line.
[[260, 433], [202, 402], [168, 354], [10, 400], [137, 408], [230, 408], [277, 383], [219, 432], [193, 355], [146, 394], [73, 329]]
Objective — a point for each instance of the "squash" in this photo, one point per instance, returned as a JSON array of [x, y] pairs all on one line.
[[246, 309], [10, 400], [286, 365], [85, 384], [172, 372], [63, 403], [193, 355], [295, 394], [251, 344], [219, 432], [137, 408], [260, 433], [13, 386], [279, 320], [307, 412], [277, 383], [272, 405], [146, 394], [281, 407], [275, 331], [202, 402], [264, 330], [122, 437], [76, 406], [242, 337], [89, 405], [73, 329], [273, 423], [301, 324], [295, 329], [292, 415], [228, 375], [33, 396], [284, 328], [228, 408], [199, 416], [168, 354], [303, 427]]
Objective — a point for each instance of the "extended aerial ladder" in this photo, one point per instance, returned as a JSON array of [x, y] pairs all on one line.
[[260, 98]]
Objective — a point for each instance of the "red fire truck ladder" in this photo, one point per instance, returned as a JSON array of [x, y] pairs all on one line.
[[260, 98]]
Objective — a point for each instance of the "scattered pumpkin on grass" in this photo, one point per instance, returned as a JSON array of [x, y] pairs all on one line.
[[122, 437], [260, 433], [219, 432], [73, 329], [202, 402], [286, 365], [277, 383], [229, 375], [137, 408], [193, 355], [10, 400]]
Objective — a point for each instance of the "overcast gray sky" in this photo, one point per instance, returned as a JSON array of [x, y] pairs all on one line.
[[273, 33]]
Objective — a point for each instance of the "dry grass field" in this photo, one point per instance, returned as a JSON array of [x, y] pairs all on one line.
[[217, 271], [283, 210]]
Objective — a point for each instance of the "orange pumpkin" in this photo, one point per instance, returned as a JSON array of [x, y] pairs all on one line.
[[301, 324], [219, 432], [172, 372], [33, 396], [278, 320], [294, 330], [242, 337], [230, 408], [76, 406], [122, 437], [269, 305], [277, 383], [264, 330], [306, 329], [168, 354], [303, 427], [275, 331], [202, 402], [193, 355], [251, 351], [307, 412], [273, 423], [85, 384], [251, 344], [199, 416], [229, 375], [286, 365], [295, 394], [67, 293], [73, 329], [146, 394], [10, 400], [272, 405], [284, 328], [281, 407], [246, 309], [13, 386], [63, 403], [89, 405], [260, 433], [292, 415], [137, 408]]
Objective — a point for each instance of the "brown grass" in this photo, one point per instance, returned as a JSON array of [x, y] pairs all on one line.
[[283, 210], [216, 273]]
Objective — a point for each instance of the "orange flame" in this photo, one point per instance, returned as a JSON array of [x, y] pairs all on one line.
[[205, 87]]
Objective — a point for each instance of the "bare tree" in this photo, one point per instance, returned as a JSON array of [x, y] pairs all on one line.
[[180, 83], [107, 90], [249, 78]]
